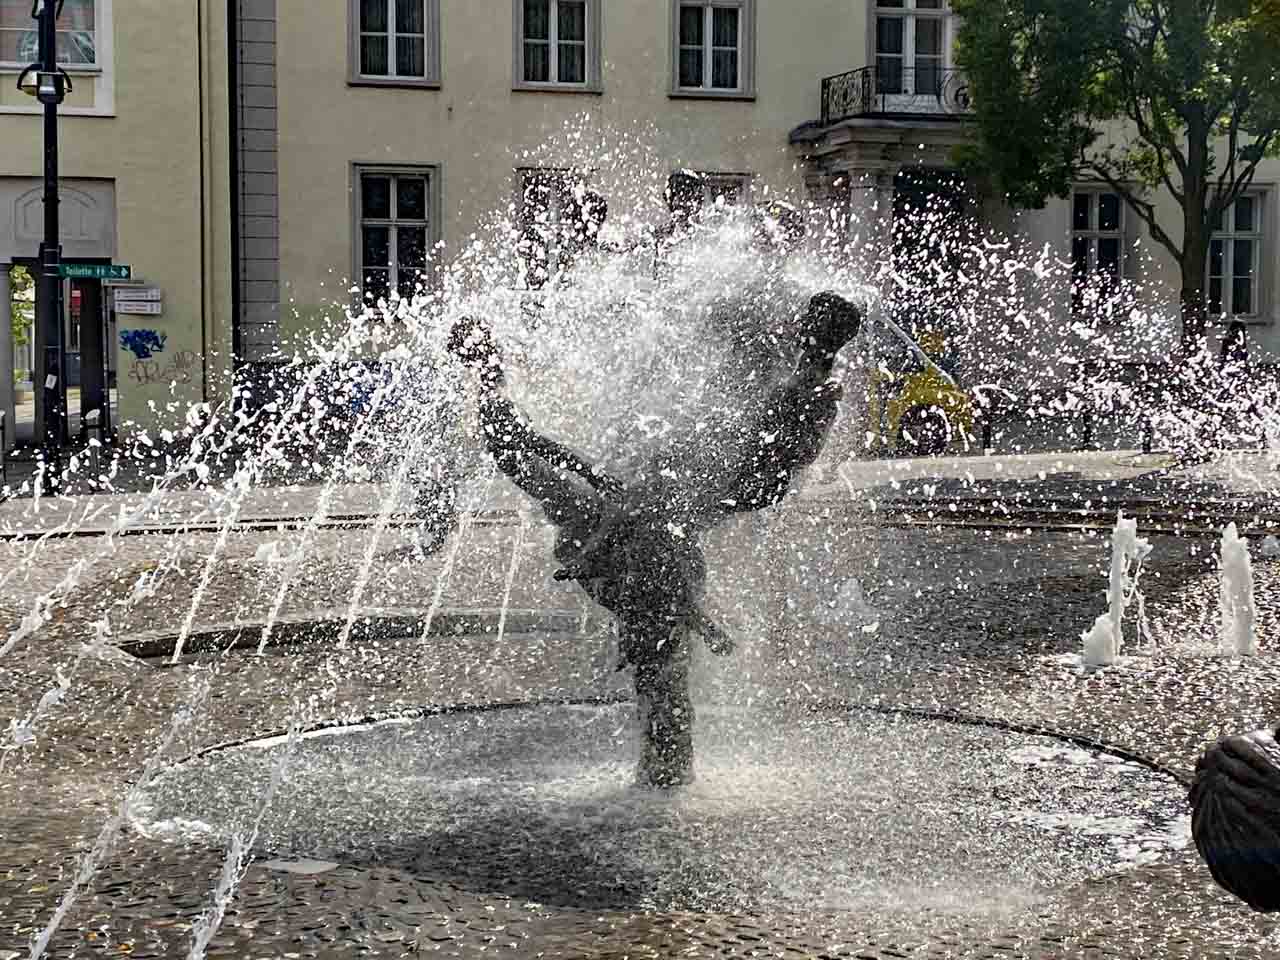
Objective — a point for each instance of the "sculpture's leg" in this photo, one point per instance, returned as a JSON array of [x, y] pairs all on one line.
[[665, 713]]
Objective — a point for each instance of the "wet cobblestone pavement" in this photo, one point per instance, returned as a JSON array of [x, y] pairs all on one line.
[[953, 621]]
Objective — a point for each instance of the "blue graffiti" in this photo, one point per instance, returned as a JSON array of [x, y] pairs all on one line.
[[143, 344]]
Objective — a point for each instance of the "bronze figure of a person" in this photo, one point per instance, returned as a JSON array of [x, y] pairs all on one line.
[[633, 548]]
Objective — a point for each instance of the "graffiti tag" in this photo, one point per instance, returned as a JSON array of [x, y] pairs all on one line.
[[177, 370], [143, 344]]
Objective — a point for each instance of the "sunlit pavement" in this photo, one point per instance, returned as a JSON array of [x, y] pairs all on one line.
[[956, 621]]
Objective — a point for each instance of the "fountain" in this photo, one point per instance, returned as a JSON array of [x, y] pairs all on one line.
[[285, 706]]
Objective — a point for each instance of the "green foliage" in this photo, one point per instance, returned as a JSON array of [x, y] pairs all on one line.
[[1181, 95], [22, 286]]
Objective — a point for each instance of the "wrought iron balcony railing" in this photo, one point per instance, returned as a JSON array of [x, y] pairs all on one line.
[[894, 90]]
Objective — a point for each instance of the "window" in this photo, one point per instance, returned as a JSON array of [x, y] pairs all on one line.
[[76, 28], [729, 189], [714, 46], [1097, 250], [396, 225], [1234, 251], [557, 44], [543, 206], [912, 46], [395, 42]]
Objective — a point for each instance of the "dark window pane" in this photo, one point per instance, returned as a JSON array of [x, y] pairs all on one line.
[[375, 196], [1109, 256], [537, 62], [1244, 215], [373, 56], [377, 283], [1216, 253], [888, 75], [571, 63], [409, 16], [373, 16], [411, 57], [928, 77], [1108, 211], [889, 35], [896, 4], [1242, 258], [924, 4], [76, 47], [928, 37], [1215, 296], [537, 19], [690, 68], [411, 198], [724, 69], [1080, 211], [691, 26], [1242, 295], [75, 14], [724, 27], [1215, 222], [1080, 256], [411, 248], [571, 21], [375, 247]]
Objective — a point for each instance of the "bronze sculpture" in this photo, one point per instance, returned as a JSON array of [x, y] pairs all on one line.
[[633, 547], [1235, 820]]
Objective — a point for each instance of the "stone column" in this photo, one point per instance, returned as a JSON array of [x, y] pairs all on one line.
[[7, 393]]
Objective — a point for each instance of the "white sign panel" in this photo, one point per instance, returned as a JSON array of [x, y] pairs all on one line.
[[139, 293], [140, 308]]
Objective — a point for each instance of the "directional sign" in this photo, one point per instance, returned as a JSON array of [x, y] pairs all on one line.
[[139, 293], [140, 308], [96, 271]]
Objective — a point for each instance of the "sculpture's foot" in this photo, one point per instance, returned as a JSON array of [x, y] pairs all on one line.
[[665, 717]]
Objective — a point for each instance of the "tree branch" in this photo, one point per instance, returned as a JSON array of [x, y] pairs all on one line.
[[1142, 208]]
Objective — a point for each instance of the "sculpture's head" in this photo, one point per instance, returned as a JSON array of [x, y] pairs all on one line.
[[1235, 819], [829, 323], [471, 341]]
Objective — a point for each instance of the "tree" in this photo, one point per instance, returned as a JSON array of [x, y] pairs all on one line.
[[1144, 95], [22, 304]]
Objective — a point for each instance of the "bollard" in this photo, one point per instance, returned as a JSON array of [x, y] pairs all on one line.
[[91, 424]]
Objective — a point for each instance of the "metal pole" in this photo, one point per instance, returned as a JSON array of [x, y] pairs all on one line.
[[49, 291]]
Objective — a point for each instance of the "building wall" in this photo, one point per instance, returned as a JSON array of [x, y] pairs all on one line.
[[150, 124], [475, 127]]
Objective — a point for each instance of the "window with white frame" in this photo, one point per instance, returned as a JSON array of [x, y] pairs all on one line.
[[1097, 250], [1235, 250], [912, 46], [557, 44], [395, 228], [395, 41], [714, 46], [77, 34]]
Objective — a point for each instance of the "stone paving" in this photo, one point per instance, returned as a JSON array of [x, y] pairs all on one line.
[[963, 621]]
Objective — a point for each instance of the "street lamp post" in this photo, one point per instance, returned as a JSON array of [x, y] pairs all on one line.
[[50, 88]]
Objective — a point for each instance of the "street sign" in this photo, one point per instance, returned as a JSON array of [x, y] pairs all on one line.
[[140, 308], [139, 293], [96, 271]]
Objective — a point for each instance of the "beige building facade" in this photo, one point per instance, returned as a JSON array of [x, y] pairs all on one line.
[[144, 165], [271, 156]]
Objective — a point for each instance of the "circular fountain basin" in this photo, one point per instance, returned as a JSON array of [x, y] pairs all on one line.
[[856, 812]]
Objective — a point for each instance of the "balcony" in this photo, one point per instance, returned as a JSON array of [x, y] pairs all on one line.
[[895, 91]]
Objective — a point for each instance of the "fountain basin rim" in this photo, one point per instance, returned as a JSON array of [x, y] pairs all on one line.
[[829, 706], [375, 624]]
